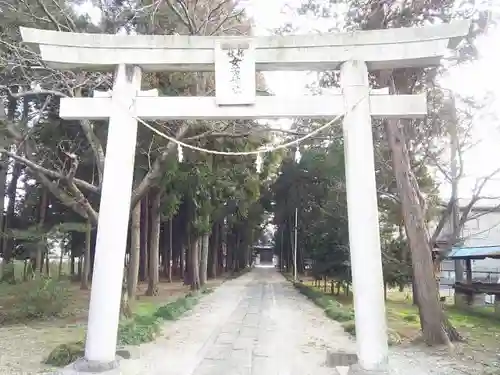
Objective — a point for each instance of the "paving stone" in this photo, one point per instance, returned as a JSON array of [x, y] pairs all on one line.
[[231, 328], [242, 357], [244, 343], [251, 321], [226, 337], [249, 331], [261, 349], [209, 367], [265, 365], [218, 352]]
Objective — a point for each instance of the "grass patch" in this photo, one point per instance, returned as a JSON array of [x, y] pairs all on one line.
[[144, 326], [39, 299], [138, 330], [332, 308], [174, 310], [478, 324], [344, 313]]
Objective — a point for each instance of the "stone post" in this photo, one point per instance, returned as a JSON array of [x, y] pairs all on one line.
[[364, 236], [114, 213]]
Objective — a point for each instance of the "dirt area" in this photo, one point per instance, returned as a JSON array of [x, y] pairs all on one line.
[[23, 347], [479, 327]]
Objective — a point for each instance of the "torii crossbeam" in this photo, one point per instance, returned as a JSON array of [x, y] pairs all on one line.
[[265, 107]]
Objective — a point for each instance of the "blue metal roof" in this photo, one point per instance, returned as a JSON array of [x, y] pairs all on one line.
[[480, 252]]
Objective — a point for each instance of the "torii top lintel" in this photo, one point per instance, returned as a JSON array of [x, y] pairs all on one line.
[[380, 49]]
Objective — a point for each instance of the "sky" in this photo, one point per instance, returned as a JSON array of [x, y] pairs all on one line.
[[476, 79]]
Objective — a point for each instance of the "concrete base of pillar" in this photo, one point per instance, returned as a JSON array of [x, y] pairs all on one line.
[[85, 367], [341, 358]]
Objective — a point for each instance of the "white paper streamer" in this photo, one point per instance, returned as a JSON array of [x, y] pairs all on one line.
[[258, 163], [180, 155]]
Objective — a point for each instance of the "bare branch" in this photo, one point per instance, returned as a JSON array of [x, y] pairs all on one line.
[[442, 221], [80, 198], [183, 18], [156, 171], [47, 172]]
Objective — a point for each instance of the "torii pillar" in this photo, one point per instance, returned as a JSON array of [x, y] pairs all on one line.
[[362, 210]]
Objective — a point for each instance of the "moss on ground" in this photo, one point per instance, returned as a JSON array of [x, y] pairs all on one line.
[[339, 312], [478, 325], [144, 326], [65, 354]]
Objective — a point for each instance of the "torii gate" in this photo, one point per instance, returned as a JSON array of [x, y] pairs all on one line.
[[353, 53]]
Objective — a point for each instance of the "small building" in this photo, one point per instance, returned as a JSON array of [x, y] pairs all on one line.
[[480, 232], [264, 254], [476, 290]]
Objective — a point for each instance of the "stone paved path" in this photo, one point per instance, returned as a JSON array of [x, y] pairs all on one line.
[[258, 324]]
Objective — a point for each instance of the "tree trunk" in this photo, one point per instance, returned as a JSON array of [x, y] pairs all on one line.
[[170, 250], [135, 252], [25, 270], [80, 269], [72, 265], [41, 246], [84, 282], [8, 241], [432, 317], [93, 240], [143, 268], [60, 266], [125, 309], [222, 247], [230, 251], [182, 261], [4, 164], [193, 264], [47, 264], [214, 251], [188, 273], [154, 245], [204, 258], [177, 246], [414, 289]]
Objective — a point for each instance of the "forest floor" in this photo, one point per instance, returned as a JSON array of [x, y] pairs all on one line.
[[23, 347], [479, 326]]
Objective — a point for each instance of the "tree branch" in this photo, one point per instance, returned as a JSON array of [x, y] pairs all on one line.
[[156, 171], [86, 125], [186, 21], [80, 198], [47, 172]]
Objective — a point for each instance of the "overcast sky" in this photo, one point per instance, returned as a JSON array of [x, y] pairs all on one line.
[[478, 78]]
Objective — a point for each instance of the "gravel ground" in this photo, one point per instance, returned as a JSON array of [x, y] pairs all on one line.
[[23, 348]]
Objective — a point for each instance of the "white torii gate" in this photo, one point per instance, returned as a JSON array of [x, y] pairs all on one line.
[[354, 53]]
